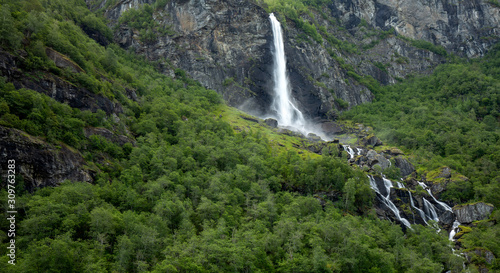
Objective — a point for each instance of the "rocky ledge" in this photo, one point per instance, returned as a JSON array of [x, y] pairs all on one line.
[[39, 163], [469, 213]]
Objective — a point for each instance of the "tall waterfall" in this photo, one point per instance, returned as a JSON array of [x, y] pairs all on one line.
[[287, 113]]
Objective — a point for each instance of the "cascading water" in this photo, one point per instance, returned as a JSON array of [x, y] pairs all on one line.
[[349, 150], [454, 230], [420, 212], [430, 211], [443, 205], [386, 200], [287, 113]]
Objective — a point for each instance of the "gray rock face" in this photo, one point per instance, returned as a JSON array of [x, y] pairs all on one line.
[[469, 213], [467, 28], [41, 164], [271, 122], [406, 167], [227, 46], [377, 159], [57, 88]]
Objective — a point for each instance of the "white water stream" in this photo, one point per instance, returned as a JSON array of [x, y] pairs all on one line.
[[287, 113], [386, 200]]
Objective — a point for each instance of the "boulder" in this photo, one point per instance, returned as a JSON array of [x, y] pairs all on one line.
[[404, 166], [331, 128], [371, 140], [486, 254], [377, 159], [313, 137], [445, 173], [473, 212], [271, 122]]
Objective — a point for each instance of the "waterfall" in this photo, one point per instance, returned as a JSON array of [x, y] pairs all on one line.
[[287, 113], [386, 200], [442, 204], [454, 230], [430, 211], [420, 212], [349, 150]]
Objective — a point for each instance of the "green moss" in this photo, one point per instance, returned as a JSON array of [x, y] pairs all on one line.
[[463, 230]]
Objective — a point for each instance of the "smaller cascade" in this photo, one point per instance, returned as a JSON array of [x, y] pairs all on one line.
[[442, 204], [401, 186], [454, 230], [420, 212], [388, 186], [430, 211], [386, 200], [360, 151], [349, 150]]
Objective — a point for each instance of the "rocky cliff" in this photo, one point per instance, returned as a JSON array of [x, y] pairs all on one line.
[[466, 214], [467, 28], [39, 163], [226, 45], [56, 87]]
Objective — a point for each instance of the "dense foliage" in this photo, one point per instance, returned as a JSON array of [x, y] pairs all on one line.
[[193, 195], [448, 118]]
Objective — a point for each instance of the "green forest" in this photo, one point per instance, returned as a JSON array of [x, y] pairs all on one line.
[[192, 193]]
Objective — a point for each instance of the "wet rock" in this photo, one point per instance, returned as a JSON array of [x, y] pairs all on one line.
[[472, 212], [331, 128], [313, 137], [447, 218], [404, 166], [271, 122]]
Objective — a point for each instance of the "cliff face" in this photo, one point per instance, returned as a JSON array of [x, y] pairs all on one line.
[[39, 163], [467, 28], [54, 86], [227, 46], [223, 44]]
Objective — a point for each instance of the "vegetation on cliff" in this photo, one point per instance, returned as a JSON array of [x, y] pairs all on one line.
[[196, 193]]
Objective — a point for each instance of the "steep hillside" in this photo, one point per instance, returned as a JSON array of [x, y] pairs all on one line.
[[124, 163]]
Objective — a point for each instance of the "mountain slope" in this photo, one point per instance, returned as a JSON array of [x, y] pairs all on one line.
[[180, 182]]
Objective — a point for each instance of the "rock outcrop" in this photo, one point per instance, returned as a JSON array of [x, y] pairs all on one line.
[[404, 166], [39, 163], [467, 28], [472, 212], [112, 137], [54, 86], [227, 46]]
